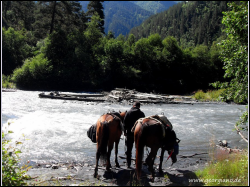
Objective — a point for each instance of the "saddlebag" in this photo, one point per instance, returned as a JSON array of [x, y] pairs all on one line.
[[176, 146], [92, 133]]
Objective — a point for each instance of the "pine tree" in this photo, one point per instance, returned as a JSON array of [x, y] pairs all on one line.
[[18, 14], [66, 15], [96, 6]]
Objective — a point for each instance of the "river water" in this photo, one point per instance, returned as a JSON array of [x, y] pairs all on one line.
[[56, 130]]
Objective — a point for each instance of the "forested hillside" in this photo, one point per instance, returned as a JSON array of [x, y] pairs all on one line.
[[191, 23], [155, 6], [121, 16], [56, 46]]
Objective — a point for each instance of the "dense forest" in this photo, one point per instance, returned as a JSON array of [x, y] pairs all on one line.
[[191, 23], [57, 46]]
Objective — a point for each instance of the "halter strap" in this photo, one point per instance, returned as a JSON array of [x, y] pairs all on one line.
[[170, 154]]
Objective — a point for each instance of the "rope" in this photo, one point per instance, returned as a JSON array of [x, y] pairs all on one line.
[[170, 154]]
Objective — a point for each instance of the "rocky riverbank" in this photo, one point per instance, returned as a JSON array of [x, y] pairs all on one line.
[[182, 173], [81, 174], [129, 96]]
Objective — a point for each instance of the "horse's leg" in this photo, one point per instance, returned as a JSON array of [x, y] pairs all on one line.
[[96, 166], [116, 153], [130, 142], [150, 161], [161, 160], [139, 154], [110, 147]]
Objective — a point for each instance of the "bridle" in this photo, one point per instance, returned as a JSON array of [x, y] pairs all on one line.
[[172, 150]]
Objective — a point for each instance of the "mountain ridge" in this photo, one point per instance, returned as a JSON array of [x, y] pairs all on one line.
[[122, 16]]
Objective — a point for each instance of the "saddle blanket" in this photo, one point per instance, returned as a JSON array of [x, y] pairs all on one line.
[[159, 119]]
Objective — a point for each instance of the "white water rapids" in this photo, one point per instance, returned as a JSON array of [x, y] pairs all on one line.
[[56, 130]]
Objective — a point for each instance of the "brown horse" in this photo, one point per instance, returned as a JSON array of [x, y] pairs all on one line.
[[108, 131], [151, 133]]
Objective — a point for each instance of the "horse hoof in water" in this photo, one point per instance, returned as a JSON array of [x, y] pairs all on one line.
[[95, 175], [108, 168], [161, 171], [152, 179]]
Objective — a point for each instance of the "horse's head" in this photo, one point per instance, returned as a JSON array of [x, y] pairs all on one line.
[[171, 144], [172, 155]]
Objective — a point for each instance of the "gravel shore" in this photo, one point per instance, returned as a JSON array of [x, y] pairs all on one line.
[[81, 174]]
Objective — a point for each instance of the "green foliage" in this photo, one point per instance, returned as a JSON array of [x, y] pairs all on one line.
[[96, 7], [18, 14], [228, 171], [191, 23], [7, 83], [199, 95], [235, 56], [243, 121], [235, 53], [93, 32], [12, 175], [210, 95], [15, 50], [53, 15], [80, 57], [34, 73]]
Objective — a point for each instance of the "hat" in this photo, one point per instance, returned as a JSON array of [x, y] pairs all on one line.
[[137, 104]]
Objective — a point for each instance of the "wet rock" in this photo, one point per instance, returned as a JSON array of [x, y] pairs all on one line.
[[223, 143], [62, 178], [48, 166], [54, 166]]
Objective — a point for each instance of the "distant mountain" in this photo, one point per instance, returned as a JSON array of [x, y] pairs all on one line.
[[122, 16], [155, 6]]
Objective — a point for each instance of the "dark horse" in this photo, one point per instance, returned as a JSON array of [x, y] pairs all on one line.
[[108, 131], [152, 133]]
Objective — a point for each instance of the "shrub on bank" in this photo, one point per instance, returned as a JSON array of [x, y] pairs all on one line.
[[34, 73], [230, 171], [199, 95], [210, 95], [7, 83], [12, 175]]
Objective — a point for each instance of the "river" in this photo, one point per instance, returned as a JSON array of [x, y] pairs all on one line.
[[56, 130]]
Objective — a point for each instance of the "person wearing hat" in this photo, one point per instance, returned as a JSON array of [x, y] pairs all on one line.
[[129, 120]]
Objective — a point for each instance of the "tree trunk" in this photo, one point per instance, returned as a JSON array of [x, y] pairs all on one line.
[[53, 17]]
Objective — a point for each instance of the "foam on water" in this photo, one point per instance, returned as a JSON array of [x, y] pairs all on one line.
[[57, 129]]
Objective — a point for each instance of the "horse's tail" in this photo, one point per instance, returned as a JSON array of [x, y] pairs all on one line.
[[103, 143], [139, 144]]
